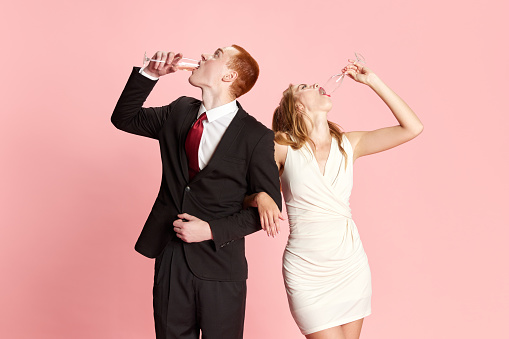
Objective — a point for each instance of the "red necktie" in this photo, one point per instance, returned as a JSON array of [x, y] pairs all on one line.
[[192, 145]]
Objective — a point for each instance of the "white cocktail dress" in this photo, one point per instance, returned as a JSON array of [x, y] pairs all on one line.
[[325, 268]]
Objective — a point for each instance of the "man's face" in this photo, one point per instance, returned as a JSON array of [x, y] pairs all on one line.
[[213, 67]]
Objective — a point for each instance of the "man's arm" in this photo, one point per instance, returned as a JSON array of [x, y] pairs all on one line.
[[263, 176], [129, 115]]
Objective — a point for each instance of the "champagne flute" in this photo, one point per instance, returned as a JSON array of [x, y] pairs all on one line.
[[337, 79], [184, 64]]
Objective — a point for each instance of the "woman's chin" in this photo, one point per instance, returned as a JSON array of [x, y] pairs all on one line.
[[327, 105]]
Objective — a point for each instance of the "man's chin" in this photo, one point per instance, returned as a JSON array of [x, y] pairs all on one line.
[[192, 82]]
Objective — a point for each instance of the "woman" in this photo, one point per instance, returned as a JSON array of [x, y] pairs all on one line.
[[326, 271]]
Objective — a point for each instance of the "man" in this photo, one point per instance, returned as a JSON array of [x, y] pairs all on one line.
[[213, 155]]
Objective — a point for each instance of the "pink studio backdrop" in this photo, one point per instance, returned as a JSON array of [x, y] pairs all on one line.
[[75, 191]]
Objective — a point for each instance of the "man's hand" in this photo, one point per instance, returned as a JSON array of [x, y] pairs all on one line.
[[165, 63], [192, 230]]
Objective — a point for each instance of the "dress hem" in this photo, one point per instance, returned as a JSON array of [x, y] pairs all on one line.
[[335, 323]]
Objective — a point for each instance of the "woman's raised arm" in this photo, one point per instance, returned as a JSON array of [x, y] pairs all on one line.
[[369, 142]]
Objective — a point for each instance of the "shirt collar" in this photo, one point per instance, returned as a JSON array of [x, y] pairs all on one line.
[[220, 111]]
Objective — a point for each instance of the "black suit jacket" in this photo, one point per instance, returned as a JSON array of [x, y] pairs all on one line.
[[243, 163]]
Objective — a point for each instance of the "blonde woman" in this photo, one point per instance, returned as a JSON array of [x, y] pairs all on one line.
[[325, 268]]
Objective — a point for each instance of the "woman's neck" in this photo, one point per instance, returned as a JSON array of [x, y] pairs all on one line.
[[319, 130]]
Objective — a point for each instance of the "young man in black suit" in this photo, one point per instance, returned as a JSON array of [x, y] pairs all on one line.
[[213, 155]]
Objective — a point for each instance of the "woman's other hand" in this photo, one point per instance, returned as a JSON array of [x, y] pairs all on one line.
[[269, 213]]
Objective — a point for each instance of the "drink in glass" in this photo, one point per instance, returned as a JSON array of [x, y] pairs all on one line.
[[184, 64], [337, 79]]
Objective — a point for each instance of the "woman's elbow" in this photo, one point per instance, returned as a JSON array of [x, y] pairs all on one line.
[[418, 129]]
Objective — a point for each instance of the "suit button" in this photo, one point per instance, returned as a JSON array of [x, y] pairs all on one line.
[[187, 189]]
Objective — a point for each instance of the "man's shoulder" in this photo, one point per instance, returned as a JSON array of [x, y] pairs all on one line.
[[186, 101], [255, 126]]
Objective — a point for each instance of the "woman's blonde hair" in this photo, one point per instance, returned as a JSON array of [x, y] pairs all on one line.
[[289, 126]]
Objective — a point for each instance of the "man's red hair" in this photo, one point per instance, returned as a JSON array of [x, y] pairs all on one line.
[[247, 69]]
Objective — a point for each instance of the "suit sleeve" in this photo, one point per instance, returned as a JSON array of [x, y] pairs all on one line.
[[130, 116], [262, 176]]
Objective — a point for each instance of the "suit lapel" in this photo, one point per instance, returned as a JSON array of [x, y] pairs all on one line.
[[187, 122], [231, 133]]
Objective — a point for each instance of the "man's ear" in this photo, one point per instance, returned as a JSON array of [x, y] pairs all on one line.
[[230, 77]]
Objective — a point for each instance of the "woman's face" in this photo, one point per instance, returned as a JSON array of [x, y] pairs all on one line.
[[312, 97]]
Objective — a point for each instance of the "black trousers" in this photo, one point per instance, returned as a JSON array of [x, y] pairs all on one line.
[[185, 304]]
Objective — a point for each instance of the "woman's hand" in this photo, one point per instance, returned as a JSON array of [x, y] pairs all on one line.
[[381, 139], [268, 211], [359, 72]]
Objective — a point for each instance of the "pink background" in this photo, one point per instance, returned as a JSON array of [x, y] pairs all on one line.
[[75, 191]]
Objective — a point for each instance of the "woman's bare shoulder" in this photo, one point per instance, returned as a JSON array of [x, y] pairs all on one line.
[[281, 150], [353, 137]]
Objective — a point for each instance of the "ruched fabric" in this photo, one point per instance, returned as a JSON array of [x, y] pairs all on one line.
[[325, 268]]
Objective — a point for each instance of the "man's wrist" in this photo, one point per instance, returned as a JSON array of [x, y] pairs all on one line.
[[210, 230], [148, 74]]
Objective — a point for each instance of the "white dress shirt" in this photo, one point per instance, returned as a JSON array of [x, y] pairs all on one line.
[[218, 120], [147, 75]]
